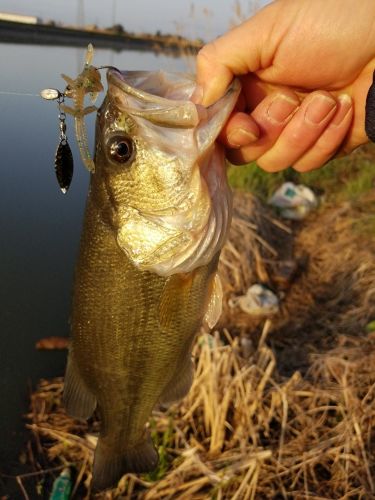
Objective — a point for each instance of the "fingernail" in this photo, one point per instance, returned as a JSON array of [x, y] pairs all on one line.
[[345, 108], [319, 108], [241, 137], [281, 108]]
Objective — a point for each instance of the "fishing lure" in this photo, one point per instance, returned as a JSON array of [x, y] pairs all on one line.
[[87, 82], [63, 156]]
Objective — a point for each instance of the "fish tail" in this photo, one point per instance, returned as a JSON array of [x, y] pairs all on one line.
[[111, 464]]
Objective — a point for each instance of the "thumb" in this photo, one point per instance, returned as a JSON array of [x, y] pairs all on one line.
[[236, 53]]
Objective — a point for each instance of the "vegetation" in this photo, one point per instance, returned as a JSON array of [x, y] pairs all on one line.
[[345, 178]]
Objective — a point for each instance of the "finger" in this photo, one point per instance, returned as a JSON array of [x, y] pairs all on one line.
[[303, 130], [240, 51], [331, 139], [240, 130], [271, 116]]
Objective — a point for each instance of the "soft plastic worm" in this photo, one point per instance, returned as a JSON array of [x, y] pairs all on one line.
[[87, 82]]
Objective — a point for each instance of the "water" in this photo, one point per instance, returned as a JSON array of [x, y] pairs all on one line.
[[40, 227]]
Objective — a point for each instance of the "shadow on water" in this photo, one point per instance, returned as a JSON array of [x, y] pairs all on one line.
[[40, 227]]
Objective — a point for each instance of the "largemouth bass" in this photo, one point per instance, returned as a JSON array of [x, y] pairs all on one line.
[[157, 214]]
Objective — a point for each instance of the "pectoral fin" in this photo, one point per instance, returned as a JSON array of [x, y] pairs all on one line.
[[174, 297], [215, 303], [78, 400]]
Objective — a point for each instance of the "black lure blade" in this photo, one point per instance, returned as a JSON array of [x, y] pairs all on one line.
[[64, 166]]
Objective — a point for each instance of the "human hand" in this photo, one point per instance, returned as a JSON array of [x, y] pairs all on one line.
[[305, 67]]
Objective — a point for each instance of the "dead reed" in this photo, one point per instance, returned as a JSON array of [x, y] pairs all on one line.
[[244, 432], [290, 417]]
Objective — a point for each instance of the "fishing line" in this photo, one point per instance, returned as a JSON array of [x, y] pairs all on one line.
[[3, 92]]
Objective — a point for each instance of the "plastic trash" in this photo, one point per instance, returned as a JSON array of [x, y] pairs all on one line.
[[258, 301], [62, 486], [294, 201]]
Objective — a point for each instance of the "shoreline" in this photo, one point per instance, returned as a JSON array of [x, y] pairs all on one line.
[[44, 34]]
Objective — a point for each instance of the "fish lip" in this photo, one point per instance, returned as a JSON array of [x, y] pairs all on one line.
[[114, 74], [164, 111], [176, 113], [117, 78]]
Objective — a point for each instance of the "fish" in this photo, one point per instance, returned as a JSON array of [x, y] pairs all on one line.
[[157, 215]]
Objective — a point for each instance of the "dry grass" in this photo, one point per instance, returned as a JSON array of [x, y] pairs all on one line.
[[291, 417], [258, 242], [244, 432]]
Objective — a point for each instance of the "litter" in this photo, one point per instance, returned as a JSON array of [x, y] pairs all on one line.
[[258, 301], [62, 486], [294, 201]]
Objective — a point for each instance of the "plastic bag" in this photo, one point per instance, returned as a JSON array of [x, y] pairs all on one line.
[[294, 201], [258, 301]]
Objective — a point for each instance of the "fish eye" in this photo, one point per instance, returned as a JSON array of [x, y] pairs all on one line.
[[121, 149]]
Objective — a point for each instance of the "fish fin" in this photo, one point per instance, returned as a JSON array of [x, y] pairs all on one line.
[[174, 295], [180, 383], [110, 465], [78, 400], [215, 303]]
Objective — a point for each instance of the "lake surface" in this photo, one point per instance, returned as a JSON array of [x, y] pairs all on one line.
[[40, 227]]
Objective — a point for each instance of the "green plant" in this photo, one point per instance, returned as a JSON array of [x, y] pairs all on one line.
[[342, 179]]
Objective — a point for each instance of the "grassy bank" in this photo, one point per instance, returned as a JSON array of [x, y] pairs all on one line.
[[342, 179]]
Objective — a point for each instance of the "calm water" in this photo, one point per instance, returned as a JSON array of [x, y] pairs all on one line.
[[40, 227]]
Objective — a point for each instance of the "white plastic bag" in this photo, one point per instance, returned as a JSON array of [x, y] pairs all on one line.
[[258, 301], [294, 201]]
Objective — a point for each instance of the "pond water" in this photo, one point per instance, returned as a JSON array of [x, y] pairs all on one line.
[[40, 227]]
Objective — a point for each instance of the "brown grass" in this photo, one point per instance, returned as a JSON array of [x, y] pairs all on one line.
[[257, 243], [289, 417]]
